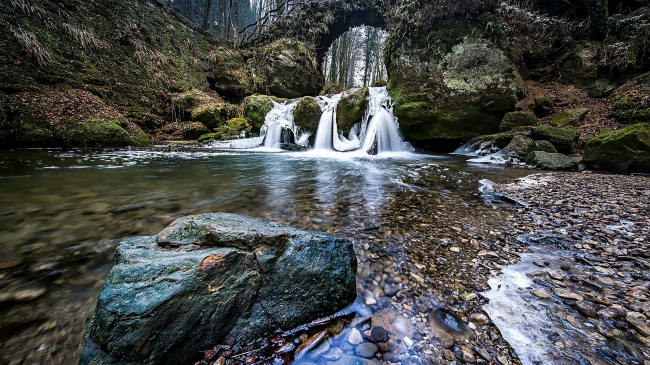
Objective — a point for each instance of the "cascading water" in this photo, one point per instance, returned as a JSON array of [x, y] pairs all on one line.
[[377, 132], [273, 137]]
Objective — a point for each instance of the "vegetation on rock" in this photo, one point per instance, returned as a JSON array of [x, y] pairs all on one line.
[[569, 117], [625, 150], [307, 114], [517, 119], [351, 108], [551, 161], [565, 140]]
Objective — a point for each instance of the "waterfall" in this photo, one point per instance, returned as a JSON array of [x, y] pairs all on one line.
[[377, 132], [273, 136], [383, 130]]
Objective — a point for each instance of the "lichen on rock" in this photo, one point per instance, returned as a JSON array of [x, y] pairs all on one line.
[[625, 150]]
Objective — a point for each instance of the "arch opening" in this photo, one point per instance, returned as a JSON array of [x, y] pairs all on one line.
[[355, 58]]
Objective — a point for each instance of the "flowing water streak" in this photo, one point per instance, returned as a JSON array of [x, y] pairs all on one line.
[[327, 128], [273, 136]]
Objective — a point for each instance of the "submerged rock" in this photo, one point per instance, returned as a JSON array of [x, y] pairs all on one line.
[[209, 277], [624, 150]]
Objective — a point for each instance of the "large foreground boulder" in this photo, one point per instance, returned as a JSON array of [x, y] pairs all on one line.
[[624, 150], [212, 277]]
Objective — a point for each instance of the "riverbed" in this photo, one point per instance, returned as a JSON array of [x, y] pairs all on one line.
[[65, 211]]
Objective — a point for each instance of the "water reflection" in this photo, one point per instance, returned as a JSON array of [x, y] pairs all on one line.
[[64, 212]]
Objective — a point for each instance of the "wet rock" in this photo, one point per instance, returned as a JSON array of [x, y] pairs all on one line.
[[483, 353], [333, 354], [468, 296], [351, 107], [366, 350], [465, 356], [637, 321], [540, 294], [390, 289], [191, 284], [355, 337], [380, 334], [27, 295], [587, 308], [565, 294], [479, 319], [609, 313]]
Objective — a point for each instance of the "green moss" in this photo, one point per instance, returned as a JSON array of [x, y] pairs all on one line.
[[551, 161], [543, 106], [519, 146], [517, 119], [307, 114], [625, 150], [380, 83], [193, 130], [565, 140], [214, 115], [544, 146], [256, 107], [231, 129], [633, 109], [351, 107], [569, 117]]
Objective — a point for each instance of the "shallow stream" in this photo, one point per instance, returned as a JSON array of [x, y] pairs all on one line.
[[64, 212]]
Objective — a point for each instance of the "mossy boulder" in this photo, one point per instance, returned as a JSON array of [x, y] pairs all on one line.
[[569, 117], [380, 83], [543, 106], [233, 128], [229, 74], [552, 161], [566, 140], [213, 115], [455, 93], [185, 103], [351, 107], [193, 130], [74, 118], [625, 150], [544, 146], [517, 119], [256, 107], [633, 109], [519, 146], [307, 114], [289, 71]]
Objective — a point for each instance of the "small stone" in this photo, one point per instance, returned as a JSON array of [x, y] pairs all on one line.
[[408, 342], [390, 289], [571, 320], [333, 354], [368, 297], [587, 308], [367, 350], [483, 353], [609, 313], [540, 294], [479, 319], [468, 296], [454, 249], [491, 254], [465, 356], [320, 349], [355, 337], [380, 334], [604, 280], [555, 275], [603, 330], [27, 295], [636, 321], [565, 294], [448, 343], [390, 357]]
